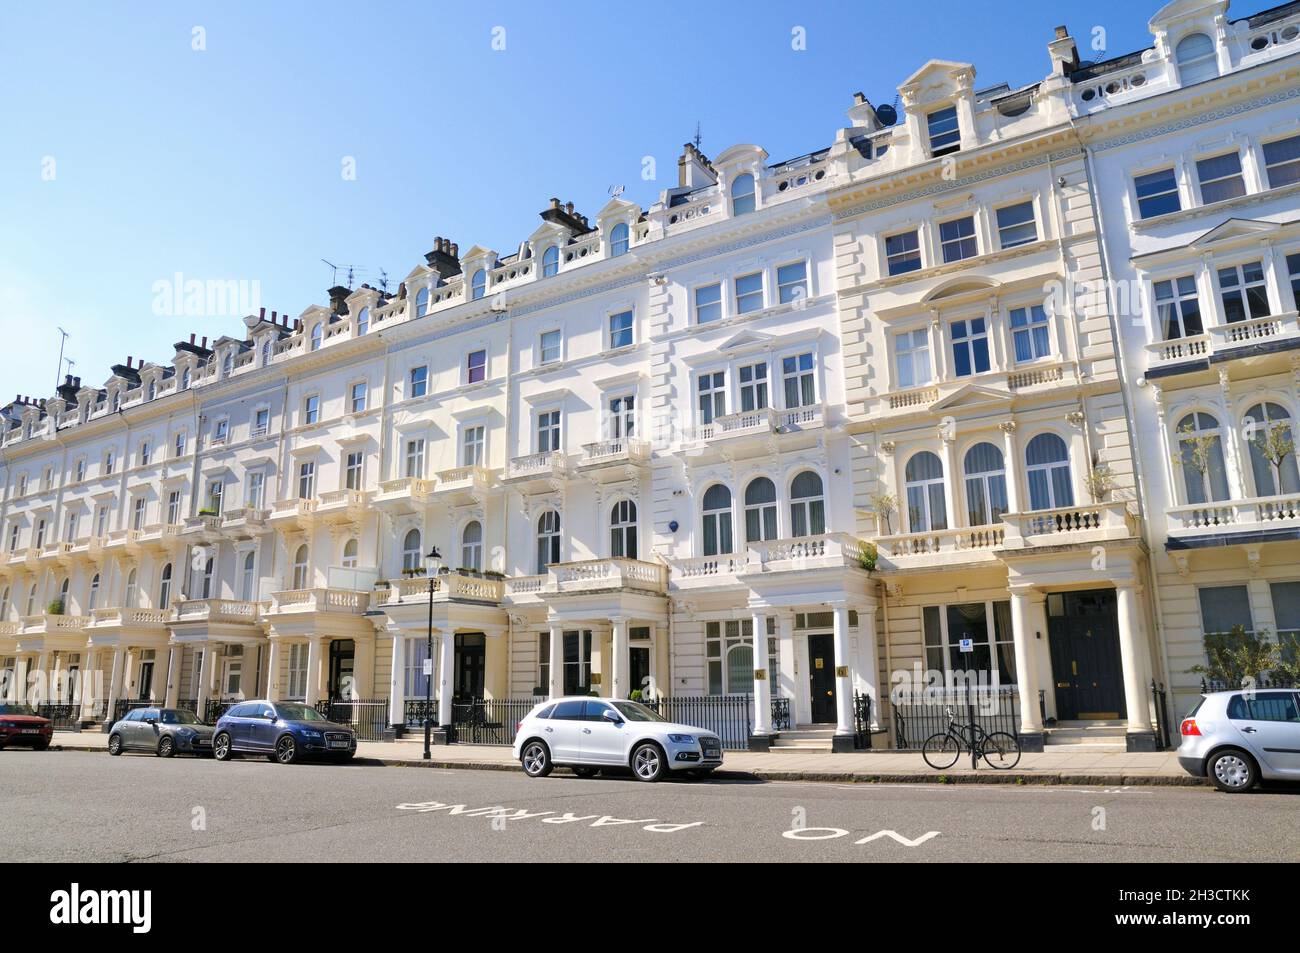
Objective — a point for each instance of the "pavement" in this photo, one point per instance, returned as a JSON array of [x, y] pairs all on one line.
[[64, 806], [881, 767]]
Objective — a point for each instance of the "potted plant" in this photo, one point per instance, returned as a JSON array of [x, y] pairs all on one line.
[[884, 503], [867, 556], [55, 607], [207, 511], [1099, 482], [1275, 445], [1196, 453]]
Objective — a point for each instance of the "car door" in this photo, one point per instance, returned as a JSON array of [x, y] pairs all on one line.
[[1269, 724], [563, 731], [602, 741], [148, 729], [127, 728], [236, 723], [261, 727]]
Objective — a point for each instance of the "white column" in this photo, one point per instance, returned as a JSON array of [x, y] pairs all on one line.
[[397, 680], [87, 687], [205, 675], [843, 683], [115, 683], [763, 685], [556, 688], [313, 670], [869, 658], [619, 665], [22, 672], [43, 685], [446, 673], [1031, 721], [363, 669], [273, 671], [786, 685], [173, 675], [1011, 465], [1133, 656]]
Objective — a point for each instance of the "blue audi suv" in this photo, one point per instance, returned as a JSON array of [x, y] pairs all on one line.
[[285, 732]]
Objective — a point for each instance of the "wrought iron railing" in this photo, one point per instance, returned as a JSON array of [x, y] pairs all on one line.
[[63, 717], [1160, 701], [730, 717], [1261, 681], [918, 715], [188, 704], [215, 708], [414, 710], [781, 720], [124, 705], [487, 721], [861, 721], [367, 717]]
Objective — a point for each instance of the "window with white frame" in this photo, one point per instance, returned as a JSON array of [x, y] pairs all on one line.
[[711, 392], [742, 194], [178, 444], [992, 658], [311, 409], [306, 480], [1157, 193], [416, 683], [101, 521], [551, 262], [1270, 435], [807, 505], [749, 293], [1178, 307], [255, 491], [912, 357], [300, 568], [164, 587], [353, 470], [618, 240], [357, 397], [471, 546], [986, 485], [548, 431], [413, 465], [620, 330], [1243, 292], [1220, 177], [216, 490], [132, 588], [753, 386], [1047, 468], [1293, 272], [708, 303], [349, 558], [146, 452], [792, 282], [970, 346], [363, 321], [548, 540], [221, 430], [1282, 162], [108, 463], [622, 417], [1223, 608], [717, 535], [1286, 608], [473, 445], [261, 422], [957, 239], [945, 133], [93, 602], [14, 530], [71, 526], [729, 651], [760, 510], [902, 252], [40, 534], [317, 335], [478, 284], [476, 366], [412, 556], [927, 505], [422, 302], [1016, 225], [297, 681], [418, 381], [799, 380], [138, 509], [550, 345], [622, 530], [1029, 334], [173, 507], [1200, 457], [1196, 59]]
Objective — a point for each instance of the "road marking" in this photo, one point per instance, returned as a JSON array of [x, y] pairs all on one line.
[[899, 838], [499, 815], [834, 833]]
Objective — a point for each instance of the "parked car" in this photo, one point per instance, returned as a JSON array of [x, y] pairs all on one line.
[[283, 731], [1236, 738], [20, 725], [164, 731], [587, 734]]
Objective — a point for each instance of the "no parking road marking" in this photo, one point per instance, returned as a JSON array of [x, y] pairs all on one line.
[[834, 833], [499, 815]]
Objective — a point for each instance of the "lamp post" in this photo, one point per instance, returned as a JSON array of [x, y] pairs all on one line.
[[432, 563]]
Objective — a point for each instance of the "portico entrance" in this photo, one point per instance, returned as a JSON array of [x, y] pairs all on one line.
[[1086, 667], [471, 661], [821, 677]]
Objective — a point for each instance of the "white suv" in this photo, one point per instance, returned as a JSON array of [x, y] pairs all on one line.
[[587, 734]]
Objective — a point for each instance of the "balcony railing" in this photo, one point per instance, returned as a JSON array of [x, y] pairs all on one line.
[[52, 624], [964, 539], [550, 464], [341, 601], [620, 450], [234, 611], [1220, 338], [452, 585], [1070, 524], [121, 616], [1234, 516], [614, 573], [766, 420]]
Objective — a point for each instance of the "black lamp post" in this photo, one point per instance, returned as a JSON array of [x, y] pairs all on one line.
[[432, 563]]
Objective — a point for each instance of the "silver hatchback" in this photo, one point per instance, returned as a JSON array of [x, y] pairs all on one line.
[[1236, 738]]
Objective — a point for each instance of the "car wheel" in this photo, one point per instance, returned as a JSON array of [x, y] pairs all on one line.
[[586, 772], [221, 749], [536, 759], [1233, 771], [166, 746], [286, 750], [649, 762], [115, 745]]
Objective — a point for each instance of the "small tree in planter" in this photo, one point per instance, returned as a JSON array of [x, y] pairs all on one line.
[[1231, 657], [1275, 445], [55, 607], [867, 556], [1100, 481], [885, 504], [1196, 453], [1288, 657]]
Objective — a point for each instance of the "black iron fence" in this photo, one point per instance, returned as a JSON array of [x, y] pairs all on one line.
[[124, 705], [727, 716], [487, 721], [188, 704], [215, 708], [861, 721], [781, 720], [63, 717], [1260, 681], [414, 711], [1160, 701], [919, 715], [368, 717]]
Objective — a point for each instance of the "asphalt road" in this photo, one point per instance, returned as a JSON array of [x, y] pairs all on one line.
[[87, 806]]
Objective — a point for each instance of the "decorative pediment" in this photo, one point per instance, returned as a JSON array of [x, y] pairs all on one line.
[[1234, 228], [746, 339], [937, 80], [971, 395], [961, 286]]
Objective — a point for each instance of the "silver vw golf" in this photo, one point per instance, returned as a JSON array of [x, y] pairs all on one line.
[[1236, 738]]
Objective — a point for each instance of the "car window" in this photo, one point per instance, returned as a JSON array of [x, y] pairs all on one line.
[[132, 715], [1237, 708], [568, 711], [241, 711], [546, 712], [148, 713], [595, 711], [266, 711], [1274, 706]]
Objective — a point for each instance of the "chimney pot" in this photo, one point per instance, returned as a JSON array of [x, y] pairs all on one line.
[[262, 314], [205, 341], [191, 338]]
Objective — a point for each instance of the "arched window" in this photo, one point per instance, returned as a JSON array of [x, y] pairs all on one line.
[[740, 669], [350, 554], [266, 352], [1200, 457], [93, 602], [248, 578], [363, 321], [63, 592], [807, 505], [185, 379], [153, 388], [4, 604], [164, 587], [760, 510], [471, 546], [317, 335], [1048, 468], [478, 284], [422, 302], [927, 504], [1196, 59], [300, 568], [622, 530], [411, 555], [717, 520], [227, 364], [742, 194], [207, 579], [986, 485], [618, 240], [132, 590], [548, 540], [1272, 449], [31, 601], [551, 261]]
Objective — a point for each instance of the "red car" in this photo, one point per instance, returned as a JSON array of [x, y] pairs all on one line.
[[20, 725]]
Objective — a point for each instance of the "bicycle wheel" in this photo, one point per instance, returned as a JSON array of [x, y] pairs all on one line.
[[1000, 750], [941, 751]]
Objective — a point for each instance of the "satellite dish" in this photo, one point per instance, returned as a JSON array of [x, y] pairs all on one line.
[[887, 114]]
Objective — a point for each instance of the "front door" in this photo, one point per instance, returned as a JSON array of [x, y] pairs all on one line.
[[342, 666], [146, 680], [638, 658], [1083, 630], [471, 661], [821, 678]]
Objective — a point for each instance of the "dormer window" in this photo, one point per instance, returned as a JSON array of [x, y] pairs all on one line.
[[478, 284], [945, 134], [317, 335], [551, 262], [1196, 59], [422, 302], [618, 240], [227, 364], [152, 388], [185, 379], [363, 321], [742, 194], [117, 400]]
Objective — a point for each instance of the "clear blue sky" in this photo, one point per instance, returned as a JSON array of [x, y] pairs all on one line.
[[226, 163]]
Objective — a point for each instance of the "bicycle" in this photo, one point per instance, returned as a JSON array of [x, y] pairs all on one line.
[[942, 749]]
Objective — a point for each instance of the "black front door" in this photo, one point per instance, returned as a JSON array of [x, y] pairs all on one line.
[[471, 663], [1084, 635], [146, 681], [342, 665], [638, 657], [821, 678]]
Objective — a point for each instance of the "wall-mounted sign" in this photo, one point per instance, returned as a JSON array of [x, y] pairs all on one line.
[[760, 674], [841, 671]]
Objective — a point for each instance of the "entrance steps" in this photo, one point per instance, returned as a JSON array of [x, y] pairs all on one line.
[[804, 739], [1086, 736]]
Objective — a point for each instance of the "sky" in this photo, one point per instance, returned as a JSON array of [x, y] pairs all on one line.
[[246, 142]]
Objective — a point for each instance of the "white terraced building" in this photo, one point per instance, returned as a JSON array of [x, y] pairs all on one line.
[[794, 429]]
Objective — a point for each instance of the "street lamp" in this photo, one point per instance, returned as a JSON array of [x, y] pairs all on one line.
[[432, 563]]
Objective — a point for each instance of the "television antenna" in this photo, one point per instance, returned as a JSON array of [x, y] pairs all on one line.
[[383, 281], [58, 373], [698, 139], [352, 271], [616, 190]]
